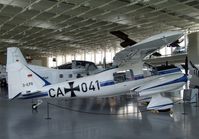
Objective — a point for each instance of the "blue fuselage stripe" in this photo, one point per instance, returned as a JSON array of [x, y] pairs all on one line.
[[181, 79], [107, 83], [141, 76], [138, 77], [169, 71]]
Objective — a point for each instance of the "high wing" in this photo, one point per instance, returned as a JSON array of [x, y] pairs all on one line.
[[138, 51]]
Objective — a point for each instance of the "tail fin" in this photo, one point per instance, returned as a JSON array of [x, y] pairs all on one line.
[[14, 55], [22, 80]]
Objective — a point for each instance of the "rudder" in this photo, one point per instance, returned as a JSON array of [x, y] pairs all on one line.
[[14, 55]]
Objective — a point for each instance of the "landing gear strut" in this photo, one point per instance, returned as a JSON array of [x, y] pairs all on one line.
[[35, 106]]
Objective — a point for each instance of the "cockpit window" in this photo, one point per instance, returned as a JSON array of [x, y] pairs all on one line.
[[122, 76]]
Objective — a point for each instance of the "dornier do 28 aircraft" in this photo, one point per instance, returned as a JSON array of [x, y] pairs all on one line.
[[74, 70], [25, 83]]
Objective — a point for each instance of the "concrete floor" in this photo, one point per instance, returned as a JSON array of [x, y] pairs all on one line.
[[113, 118]]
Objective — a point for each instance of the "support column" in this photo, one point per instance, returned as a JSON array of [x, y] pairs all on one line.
[[104, 59], [74, 56], [84, 55], [193, 48], [94, 52]]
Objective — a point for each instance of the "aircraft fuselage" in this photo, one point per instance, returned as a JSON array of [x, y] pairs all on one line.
[[103, 84]]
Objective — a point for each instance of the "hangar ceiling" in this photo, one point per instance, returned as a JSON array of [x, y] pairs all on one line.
[[49, 25]]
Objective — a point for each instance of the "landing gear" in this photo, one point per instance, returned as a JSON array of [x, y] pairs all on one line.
[[35, 106], [154, 111], [165, 110], [171, 112]]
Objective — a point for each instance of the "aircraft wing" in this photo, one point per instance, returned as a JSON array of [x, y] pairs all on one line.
[[138, 51]]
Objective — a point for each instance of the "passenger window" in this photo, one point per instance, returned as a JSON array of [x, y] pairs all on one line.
[[70, 76], [61, 75]]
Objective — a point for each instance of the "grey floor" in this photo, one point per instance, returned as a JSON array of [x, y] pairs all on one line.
[[111, 118]]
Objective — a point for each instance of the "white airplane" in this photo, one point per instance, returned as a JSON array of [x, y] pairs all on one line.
[[53, 75], [25, 83]]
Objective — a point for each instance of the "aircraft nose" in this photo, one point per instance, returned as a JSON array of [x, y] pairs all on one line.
[[185, 78]]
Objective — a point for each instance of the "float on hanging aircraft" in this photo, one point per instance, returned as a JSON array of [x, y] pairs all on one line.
[[62, 73], [25, 83]]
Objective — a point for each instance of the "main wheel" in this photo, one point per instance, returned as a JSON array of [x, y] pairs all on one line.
[[34, 106], [166, 110]]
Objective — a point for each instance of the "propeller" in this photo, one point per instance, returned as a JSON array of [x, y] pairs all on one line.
[[127, 41], [176, 43], [186, 65]]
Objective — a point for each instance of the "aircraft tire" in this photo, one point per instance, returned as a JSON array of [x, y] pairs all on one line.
[[34, 106]]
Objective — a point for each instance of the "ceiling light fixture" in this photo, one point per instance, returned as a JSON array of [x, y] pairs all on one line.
[[9, 41]]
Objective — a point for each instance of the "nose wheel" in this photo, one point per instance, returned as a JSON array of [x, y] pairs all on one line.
[[35, 106]]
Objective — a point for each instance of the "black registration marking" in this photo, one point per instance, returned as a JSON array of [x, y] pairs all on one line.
[[27, 84], [71, 89], [98, 85], [90, 86], [50, 92], [84, 87], [60, 92]]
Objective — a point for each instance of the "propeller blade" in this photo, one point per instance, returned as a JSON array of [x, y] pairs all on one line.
[[186, 65], [176, 43], [127, 41], [193, 66]]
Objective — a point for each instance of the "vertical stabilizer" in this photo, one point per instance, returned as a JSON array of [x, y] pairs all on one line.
[[22, 80], [14, 55]]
